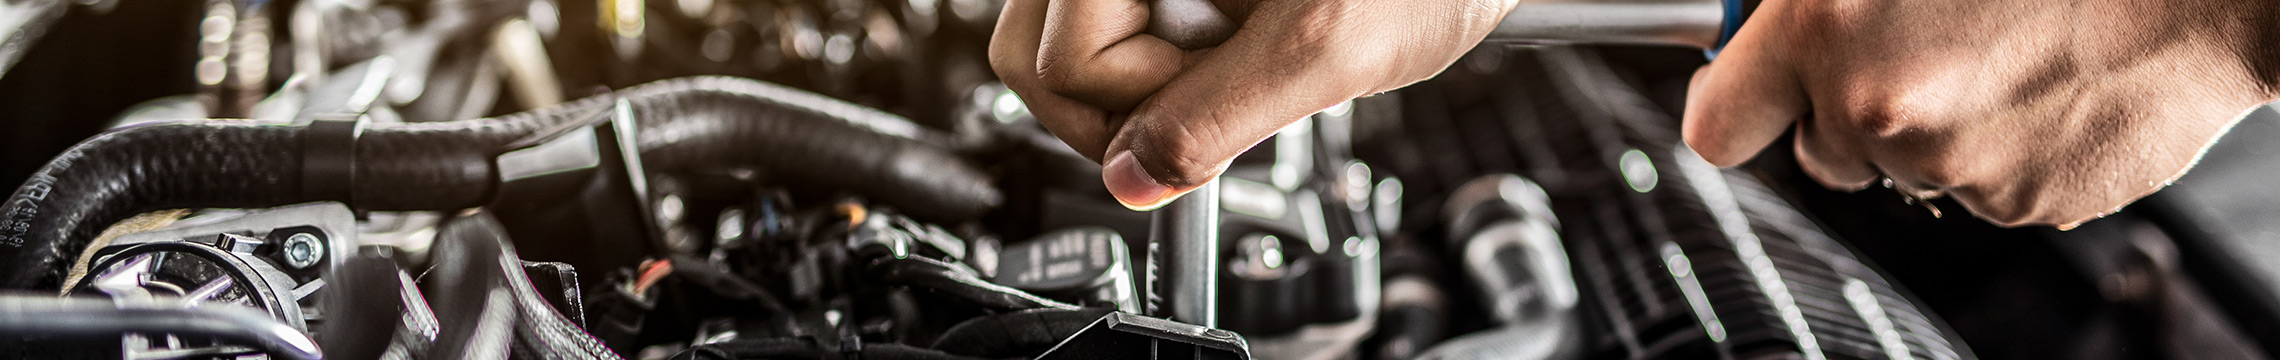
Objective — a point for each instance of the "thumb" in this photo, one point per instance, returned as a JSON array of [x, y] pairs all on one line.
[[1262, 79]]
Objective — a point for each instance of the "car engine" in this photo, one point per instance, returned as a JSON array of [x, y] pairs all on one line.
[[846, 179]]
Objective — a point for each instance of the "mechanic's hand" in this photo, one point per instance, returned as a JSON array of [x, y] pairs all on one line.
[[1166, 120], [2027, 111]]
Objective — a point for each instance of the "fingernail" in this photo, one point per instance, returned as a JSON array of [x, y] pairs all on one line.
[[1131, 184]]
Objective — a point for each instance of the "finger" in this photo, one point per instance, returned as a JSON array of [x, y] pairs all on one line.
[[1013, 55], [1256, 83], [1834, 159], [1746, 98], [1093, 51]]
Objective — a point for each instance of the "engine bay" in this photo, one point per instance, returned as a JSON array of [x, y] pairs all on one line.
[[845, 179]]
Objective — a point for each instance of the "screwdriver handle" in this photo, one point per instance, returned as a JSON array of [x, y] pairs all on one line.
[[1189, 24]]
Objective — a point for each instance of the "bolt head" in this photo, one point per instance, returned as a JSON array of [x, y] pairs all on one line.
[[303, 250]]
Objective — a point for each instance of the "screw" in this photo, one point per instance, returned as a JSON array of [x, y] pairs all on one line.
[[303, 250]]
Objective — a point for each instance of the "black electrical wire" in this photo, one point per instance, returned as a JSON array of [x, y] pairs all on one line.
[[721, 282], [701, 123], [957, 282]]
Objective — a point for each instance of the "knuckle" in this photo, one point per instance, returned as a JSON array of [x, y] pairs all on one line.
[[1827, 19], [1928, 169], [1103, 84], [1943, 171], [1934, 173], [1058, 72], [1874, 117], [1063, 70], [1081, 77], [2011, 204], [1909, 150], [2016, 211], [1007, 62], [1885, 114], [1060, 79], [1834, 171], [1827, 180]]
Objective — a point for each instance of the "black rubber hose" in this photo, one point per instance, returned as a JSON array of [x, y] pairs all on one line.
[[213, 164], [714, 122], [689, 123], [365, 306], [1016, 334], [475, 265]]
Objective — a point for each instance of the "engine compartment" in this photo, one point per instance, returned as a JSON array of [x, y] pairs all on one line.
[[843, 179]]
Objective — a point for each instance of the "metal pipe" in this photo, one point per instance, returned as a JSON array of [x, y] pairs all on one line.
[[1187, 229], [1691, 23], [22, 23], [50, 316], [1188, 232], [1705, 24]]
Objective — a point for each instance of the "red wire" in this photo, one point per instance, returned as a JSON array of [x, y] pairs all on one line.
[[651, 272]]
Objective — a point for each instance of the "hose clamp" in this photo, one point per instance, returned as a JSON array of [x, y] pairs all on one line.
[[328, 157]]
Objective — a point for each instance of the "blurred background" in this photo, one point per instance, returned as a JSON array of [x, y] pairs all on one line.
[[1531, 202]]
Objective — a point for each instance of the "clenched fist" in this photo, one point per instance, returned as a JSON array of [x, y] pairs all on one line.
[[2028, 112], [1164, 120]]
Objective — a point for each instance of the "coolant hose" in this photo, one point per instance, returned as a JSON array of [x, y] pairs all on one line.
[[791, 136], [802, 138], [138, 169]]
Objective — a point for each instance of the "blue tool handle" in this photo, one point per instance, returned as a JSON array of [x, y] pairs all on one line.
[[1737, 12]]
